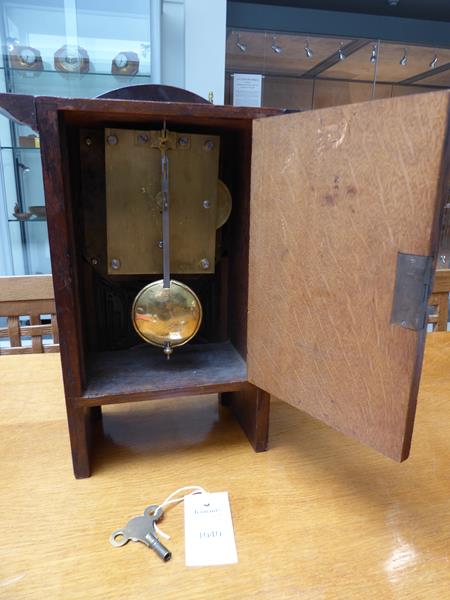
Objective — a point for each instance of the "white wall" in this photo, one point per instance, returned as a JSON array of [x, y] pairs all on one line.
[[205, 36], [172, 40]]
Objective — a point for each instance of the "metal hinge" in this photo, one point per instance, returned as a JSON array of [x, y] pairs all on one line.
[[413, 284]]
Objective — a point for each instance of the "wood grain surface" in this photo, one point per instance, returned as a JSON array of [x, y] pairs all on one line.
[[336, 194], [318, 517]]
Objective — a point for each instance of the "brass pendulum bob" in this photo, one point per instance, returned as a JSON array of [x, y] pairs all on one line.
[[166, 313]]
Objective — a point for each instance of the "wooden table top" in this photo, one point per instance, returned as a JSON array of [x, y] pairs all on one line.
[[316, 517]]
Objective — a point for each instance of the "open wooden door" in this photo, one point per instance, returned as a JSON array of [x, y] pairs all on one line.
[[345, 211]]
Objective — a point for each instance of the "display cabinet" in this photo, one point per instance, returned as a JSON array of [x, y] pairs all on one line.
[[304, 71], [68, 48]]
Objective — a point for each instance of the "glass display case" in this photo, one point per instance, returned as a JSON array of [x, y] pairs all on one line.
[[69, 48], [304, 72]]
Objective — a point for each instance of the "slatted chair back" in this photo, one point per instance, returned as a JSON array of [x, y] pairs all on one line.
[[438, 302], [28, 305]]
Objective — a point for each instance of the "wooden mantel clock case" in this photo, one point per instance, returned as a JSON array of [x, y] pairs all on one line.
[[313, 288]]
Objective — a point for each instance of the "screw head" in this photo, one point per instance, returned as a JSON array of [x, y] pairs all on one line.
[[206, 204], [160, 244], [204, 263], [208, 146], [115, 264], [143, 190], [112, 140], [94, 261], [88, 141], [142, 137], [183, 141]]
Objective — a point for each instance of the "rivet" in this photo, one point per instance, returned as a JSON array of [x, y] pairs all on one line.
[[88, 141], [112, 140], [115, 263], [182, 141], [206, 203], [208, 146], [204, 263]]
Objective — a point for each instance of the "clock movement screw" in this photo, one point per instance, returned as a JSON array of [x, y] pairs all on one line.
[[115, 263], [208, 146], [204, 263], [112, 140], [206, 204], [88, 141]]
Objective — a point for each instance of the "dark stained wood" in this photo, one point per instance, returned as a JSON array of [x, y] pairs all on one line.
[[143, 373], [329, 216], [251, 408], [99, 112], [238, 170], [81, 421], [156, 93], [63, 252], [20, 108]]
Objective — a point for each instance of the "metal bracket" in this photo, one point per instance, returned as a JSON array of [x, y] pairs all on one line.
[[413, 284]]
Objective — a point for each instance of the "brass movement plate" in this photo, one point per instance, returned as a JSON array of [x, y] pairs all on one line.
[[133, 201]]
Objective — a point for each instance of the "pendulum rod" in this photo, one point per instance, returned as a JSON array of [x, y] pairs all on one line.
[[165, 216], [165, 220]]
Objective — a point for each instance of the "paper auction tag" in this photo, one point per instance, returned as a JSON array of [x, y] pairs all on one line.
[[208, 530]]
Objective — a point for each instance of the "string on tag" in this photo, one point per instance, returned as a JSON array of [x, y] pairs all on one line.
[[173, 499]]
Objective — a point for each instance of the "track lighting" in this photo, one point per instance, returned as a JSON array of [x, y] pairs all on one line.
[[308, 50], [373, 56], [404, 58], [275, 47], [241, 45], [433, 63]]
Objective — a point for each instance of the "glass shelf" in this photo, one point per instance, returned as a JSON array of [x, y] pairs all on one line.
[[76, 85], [29, 73], [30, 220], [19, 148]]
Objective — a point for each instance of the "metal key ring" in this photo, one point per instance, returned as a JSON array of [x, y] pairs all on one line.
[[113, 541]]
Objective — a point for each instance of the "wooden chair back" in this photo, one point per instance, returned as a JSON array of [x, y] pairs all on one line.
[[439, 300], [27, 303]]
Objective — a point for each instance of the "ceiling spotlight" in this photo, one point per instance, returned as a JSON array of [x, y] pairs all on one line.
[[275, 47], [434, 62], [341, 53], [373, 56], [241, 45], [308, 50], [404, 58]]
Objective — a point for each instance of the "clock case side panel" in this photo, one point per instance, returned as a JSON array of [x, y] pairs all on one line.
[[66, 274], [336, 195]]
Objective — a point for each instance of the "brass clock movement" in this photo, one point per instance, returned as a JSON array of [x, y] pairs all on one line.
[[164, 204]]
